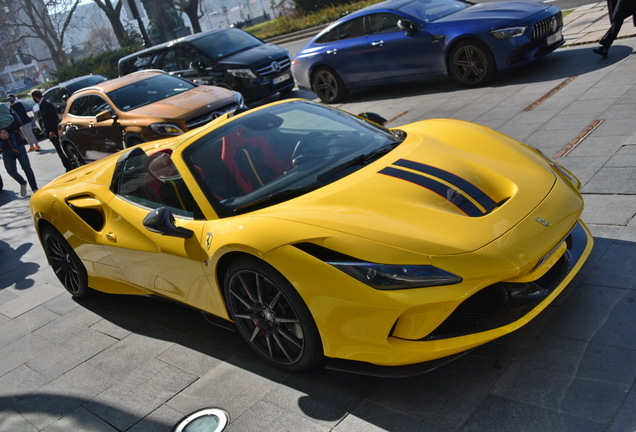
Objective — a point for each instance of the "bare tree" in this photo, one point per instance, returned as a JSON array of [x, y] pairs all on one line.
[[33, 19], [113, 13], [193, 11], [101, 34]]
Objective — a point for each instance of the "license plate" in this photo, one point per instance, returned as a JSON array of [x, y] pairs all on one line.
[[552, 39], [281, 78]]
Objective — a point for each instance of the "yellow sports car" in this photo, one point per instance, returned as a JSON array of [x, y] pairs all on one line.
[[323, 235]]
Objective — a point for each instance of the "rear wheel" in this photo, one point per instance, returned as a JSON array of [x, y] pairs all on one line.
[[73, 155], [65, 263], [328, 85], [271, 315], [472, 63]]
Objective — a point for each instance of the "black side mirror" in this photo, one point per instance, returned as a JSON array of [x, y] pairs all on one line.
[[407, 26], [373, 117], [161, 221], [196, 66]]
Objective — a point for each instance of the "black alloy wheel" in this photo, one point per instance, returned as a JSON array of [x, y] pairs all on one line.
[[271, 315], [73, 155], [472, 63], [65, 263], [328, 85]]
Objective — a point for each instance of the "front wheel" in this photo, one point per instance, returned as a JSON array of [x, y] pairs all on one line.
[[472, 63], [271, 315], [65, 263], [328, 85], [73, 155]]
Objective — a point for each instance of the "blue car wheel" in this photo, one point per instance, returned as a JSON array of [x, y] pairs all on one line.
[[472, 63], [328, 85]]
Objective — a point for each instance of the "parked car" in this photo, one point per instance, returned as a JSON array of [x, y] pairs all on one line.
[[142, 106], [225, 57], [321, 234], [59, 94], [404, 40]]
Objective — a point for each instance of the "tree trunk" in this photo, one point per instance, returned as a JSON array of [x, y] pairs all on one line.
[[191, 10], [113, 14]]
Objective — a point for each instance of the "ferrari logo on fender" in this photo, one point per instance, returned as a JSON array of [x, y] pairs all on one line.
[[543, 222], [208, 241]]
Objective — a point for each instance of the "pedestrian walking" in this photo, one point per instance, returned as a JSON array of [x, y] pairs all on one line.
[[11, 154], [50, 120], [27, 126], [619, 11], [7, 120]]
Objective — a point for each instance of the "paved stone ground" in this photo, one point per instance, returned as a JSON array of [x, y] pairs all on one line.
[[117, 363]]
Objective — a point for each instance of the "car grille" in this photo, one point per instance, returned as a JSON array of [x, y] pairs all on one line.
[[546, 27], [283, 63], [201, 120]]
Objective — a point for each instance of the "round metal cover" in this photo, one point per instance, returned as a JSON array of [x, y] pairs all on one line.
[[204, 420]]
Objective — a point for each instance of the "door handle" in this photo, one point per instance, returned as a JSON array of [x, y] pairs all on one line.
[[111, 237], [378, 43], [332, 51]]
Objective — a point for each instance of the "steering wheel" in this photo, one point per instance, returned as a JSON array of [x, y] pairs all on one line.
[[303, 144]]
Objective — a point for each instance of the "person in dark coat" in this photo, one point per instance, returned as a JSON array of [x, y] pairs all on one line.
[[50, 120], [619, 11], [27, 127], [11, 154]]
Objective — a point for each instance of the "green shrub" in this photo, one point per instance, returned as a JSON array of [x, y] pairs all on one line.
[[102, 64], [299, 21]]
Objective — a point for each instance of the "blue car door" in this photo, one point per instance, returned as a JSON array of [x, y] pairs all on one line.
[[396, 54], [349, 52]]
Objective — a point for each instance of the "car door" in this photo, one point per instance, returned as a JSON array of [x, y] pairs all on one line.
[[346, 50], [166, 265], [106, 135], [396, 53], [77, 124]]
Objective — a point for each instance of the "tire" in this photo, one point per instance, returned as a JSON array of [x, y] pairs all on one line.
[[471, 63], [328, 85], [73, 155], [271, 316], [65, 263]]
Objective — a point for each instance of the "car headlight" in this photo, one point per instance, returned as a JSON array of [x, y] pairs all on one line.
[[166, 129], [508, 33], [242, 73], [397, 277], [238, 98]]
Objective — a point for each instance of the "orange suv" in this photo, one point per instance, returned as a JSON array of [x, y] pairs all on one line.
[[142, 106]]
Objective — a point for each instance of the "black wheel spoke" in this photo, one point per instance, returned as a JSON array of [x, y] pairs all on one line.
[[282, 347], [246, 287], [290, 338]]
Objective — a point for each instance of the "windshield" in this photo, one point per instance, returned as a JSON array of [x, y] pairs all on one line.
[[276, 153], [431, 10], [225, 43], [148, 91]]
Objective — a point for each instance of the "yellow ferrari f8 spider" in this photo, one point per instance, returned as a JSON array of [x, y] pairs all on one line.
[[322, 235]]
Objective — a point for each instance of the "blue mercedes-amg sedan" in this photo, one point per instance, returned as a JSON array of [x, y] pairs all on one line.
[[404, 40]]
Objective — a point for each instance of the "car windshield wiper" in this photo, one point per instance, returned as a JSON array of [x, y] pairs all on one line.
[[362, 159], [276, 198]]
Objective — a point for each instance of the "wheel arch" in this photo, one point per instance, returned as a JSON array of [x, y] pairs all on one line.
[[465, 37]]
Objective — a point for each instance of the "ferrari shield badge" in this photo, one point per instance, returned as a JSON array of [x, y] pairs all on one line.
[[208, 241]]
